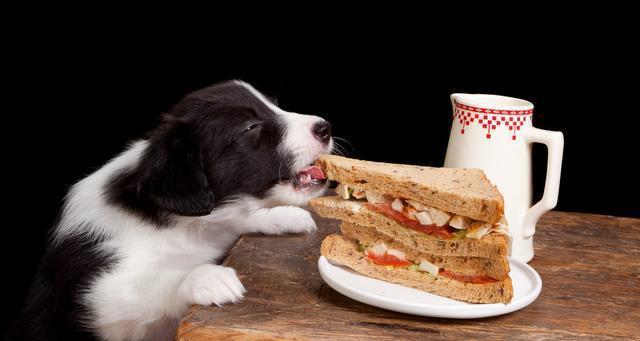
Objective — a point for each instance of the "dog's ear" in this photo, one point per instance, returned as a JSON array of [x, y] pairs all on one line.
[[173, 174]]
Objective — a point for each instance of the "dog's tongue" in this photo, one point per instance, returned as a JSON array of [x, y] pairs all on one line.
[[310, 173], [315, 172]]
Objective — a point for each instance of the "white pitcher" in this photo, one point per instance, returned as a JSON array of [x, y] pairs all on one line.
[[494, 133]]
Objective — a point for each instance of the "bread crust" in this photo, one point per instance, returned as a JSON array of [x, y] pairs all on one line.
[[466, 192], [341, 250], [492, 246]]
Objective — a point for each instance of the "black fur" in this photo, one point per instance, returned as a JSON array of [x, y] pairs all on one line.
[[216, 143], [53, 310]]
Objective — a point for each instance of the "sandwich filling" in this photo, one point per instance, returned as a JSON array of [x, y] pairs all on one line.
[[423, 218], [380, 254]]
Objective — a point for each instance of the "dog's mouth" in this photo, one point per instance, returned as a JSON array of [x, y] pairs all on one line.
[[308, 177]]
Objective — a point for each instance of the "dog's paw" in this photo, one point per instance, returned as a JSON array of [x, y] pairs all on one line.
[[289, 219], [212, 284]]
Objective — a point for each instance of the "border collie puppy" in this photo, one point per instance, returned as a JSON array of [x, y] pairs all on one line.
[[139, 240]]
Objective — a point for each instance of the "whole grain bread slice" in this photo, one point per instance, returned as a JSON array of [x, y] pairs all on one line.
[[493, 245], [494, 268], [341, 250], [466, 192]]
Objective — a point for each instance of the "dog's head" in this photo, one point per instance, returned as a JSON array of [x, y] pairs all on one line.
[[227, 141]]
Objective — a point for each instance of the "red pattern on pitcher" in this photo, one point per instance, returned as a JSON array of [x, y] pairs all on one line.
[[493, 111], [491, 119]]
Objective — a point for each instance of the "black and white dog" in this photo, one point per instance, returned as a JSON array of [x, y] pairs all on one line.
[[138, 240]]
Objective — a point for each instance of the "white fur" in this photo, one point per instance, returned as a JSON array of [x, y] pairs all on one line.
[[297, 137], [160, 272], [299, 134]]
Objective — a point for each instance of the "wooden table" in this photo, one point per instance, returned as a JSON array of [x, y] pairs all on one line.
[[589, 264]]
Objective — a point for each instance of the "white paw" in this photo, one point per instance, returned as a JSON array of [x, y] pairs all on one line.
[[212, 284], [289, 219]]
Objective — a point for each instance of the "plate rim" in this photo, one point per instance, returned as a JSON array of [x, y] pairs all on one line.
[[426, 309]]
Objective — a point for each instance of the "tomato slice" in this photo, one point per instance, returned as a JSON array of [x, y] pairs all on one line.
[[475, 279], [387, 259], [444, 232]]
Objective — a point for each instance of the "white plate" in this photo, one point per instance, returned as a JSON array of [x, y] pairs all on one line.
[[526, 288]]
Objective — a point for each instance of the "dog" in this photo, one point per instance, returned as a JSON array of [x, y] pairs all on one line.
[[139, 240]]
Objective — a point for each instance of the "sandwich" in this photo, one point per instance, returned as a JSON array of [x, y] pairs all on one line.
[[440, 230]]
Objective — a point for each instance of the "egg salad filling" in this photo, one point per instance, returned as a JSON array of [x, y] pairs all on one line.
[[380, 254], [423, 218]]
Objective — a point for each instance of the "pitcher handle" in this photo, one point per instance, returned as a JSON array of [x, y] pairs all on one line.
[[554, 140]]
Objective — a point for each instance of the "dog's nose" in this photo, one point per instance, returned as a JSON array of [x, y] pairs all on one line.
[[322, 131]]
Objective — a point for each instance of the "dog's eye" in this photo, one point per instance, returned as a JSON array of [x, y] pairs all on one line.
[[251, 127]]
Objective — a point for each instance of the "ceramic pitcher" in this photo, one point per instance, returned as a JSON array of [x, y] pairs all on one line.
[[495, 133]]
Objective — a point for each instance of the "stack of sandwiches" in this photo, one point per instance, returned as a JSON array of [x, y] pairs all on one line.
[[440, 230]]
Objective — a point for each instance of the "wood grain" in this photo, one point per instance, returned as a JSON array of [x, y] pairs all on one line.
[[589, 264]]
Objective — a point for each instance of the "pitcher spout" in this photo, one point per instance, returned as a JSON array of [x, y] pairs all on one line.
[[456, 97]]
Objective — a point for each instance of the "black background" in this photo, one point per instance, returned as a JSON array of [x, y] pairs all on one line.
[[73, 103]]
